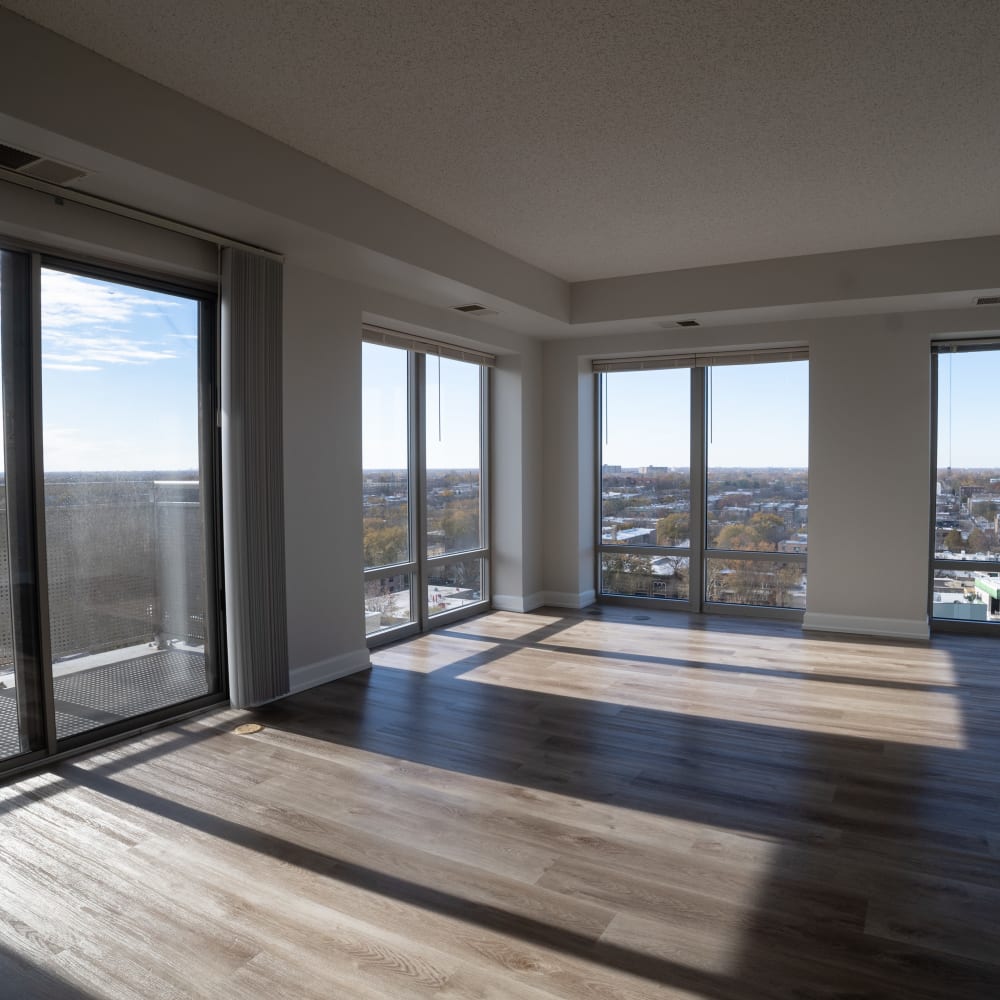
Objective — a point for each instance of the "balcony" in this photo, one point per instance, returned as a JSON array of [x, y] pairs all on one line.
[[126, 601]]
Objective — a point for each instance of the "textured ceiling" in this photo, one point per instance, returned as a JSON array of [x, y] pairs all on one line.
[[604, 137]]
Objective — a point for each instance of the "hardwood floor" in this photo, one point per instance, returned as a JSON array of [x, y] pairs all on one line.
[[608, 806]]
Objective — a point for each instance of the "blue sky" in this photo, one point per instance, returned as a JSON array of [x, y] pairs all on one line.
[[759, 417], [452, 441], [119, 377], [119, 388], [968, 401]]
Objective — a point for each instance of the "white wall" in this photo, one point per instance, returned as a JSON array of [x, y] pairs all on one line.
[[322, 444], [568, 479], [869, 480], [516, 491]]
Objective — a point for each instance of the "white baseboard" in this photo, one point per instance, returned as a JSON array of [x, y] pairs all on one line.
[[506, 602], [313, 674], [893, 628], [561, 599]]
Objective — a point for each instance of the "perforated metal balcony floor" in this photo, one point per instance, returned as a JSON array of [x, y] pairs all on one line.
[[86, 699]]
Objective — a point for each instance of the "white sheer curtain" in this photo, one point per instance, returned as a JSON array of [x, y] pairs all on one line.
[[252, 478]]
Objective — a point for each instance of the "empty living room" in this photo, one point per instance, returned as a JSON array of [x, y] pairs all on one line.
[[499, 501]]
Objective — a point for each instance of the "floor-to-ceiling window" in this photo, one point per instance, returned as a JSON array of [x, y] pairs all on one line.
[[108, 599], [965, 546], [424, 457], [704, 479]]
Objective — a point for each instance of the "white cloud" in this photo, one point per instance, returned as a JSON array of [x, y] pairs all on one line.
[[86, 324]]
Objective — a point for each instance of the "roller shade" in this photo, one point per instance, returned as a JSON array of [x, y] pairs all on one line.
[[964, 346], [410, 342], [705, 359]]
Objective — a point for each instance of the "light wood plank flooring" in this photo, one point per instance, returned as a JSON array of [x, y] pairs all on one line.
[[613, 806]]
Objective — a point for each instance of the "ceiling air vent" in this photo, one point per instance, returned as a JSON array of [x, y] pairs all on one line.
[[14, 159], [688, 322], [988, 300], [475, 309], [38, 166]]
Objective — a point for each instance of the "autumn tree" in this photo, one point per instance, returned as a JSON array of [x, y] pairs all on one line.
[[673, 529], [460, 525], [977, 541], [384, 545], [769, 529]]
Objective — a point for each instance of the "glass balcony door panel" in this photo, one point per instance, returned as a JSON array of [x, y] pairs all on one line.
[[385, 448], [645, 458], [757, 486], [453, 469], [452, 586], [123, 486], [640, 574]]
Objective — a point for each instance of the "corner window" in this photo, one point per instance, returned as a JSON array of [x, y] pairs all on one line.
[[704, 483], [425, 515]]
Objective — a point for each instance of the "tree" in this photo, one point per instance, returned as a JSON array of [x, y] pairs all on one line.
[[737, 536], [769, 529], [627, 573], [378, 598], [976, 542], [673, 529], [953, 540], [384, 546], [460, 527]]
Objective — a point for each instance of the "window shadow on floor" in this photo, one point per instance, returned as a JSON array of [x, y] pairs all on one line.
[[882, 875], [878, 873]]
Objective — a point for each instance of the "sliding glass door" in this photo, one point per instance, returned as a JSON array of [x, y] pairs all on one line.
[[109, 503], [703, 493], [123, 493], [15, 709], [965, 547], [424, 504]]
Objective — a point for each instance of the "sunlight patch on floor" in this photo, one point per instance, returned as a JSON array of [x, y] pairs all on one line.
[[884, 715], [428, 653]]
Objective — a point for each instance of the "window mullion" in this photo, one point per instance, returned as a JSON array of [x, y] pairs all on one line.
[[418, 485], [697, 517]]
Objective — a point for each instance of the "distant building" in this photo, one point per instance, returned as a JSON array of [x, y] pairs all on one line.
[[633, 536], [797, 543]]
